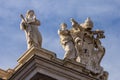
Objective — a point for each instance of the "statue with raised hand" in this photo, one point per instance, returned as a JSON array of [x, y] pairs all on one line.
[[67, 42], [30, 25]]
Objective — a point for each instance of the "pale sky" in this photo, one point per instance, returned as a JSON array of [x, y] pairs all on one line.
[[104, 13]]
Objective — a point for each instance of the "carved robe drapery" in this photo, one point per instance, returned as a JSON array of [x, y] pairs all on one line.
[[33, 36]]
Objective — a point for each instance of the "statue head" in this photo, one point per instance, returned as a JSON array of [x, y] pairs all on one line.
[[30, 15], [88, 24], [63, 26]]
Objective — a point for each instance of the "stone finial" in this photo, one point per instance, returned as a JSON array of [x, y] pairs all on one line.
[[88, 23]]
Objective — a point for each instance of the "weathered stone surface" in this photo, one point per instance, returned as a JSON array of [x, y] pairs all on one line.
[[50, 66], [67, 42], [83, 44]]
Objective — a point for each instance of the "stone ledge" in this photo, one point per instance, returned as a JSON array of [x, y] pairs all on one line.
[[5, 74], [42, 59], [38, 51], [55, 68]]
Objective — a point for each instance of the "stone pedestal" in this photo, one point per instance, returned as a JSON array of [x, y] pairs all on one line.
[[41, 64]]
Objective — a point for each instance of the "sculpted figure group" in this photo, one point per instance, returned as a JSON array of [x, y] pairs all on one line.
[[82, 44]]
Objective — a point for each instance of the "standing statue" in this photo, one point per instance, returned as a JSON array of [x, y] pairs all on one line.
[[67, 42], [30, 25]]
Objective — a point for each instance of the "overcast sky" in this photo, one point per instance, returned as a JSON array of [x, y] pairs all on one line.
[[104, 13]]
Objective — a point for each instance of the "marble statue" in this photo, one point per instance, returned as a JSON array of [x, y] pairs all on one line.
[[77, 34], [30, 26], [88, 45], [67, 42]]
